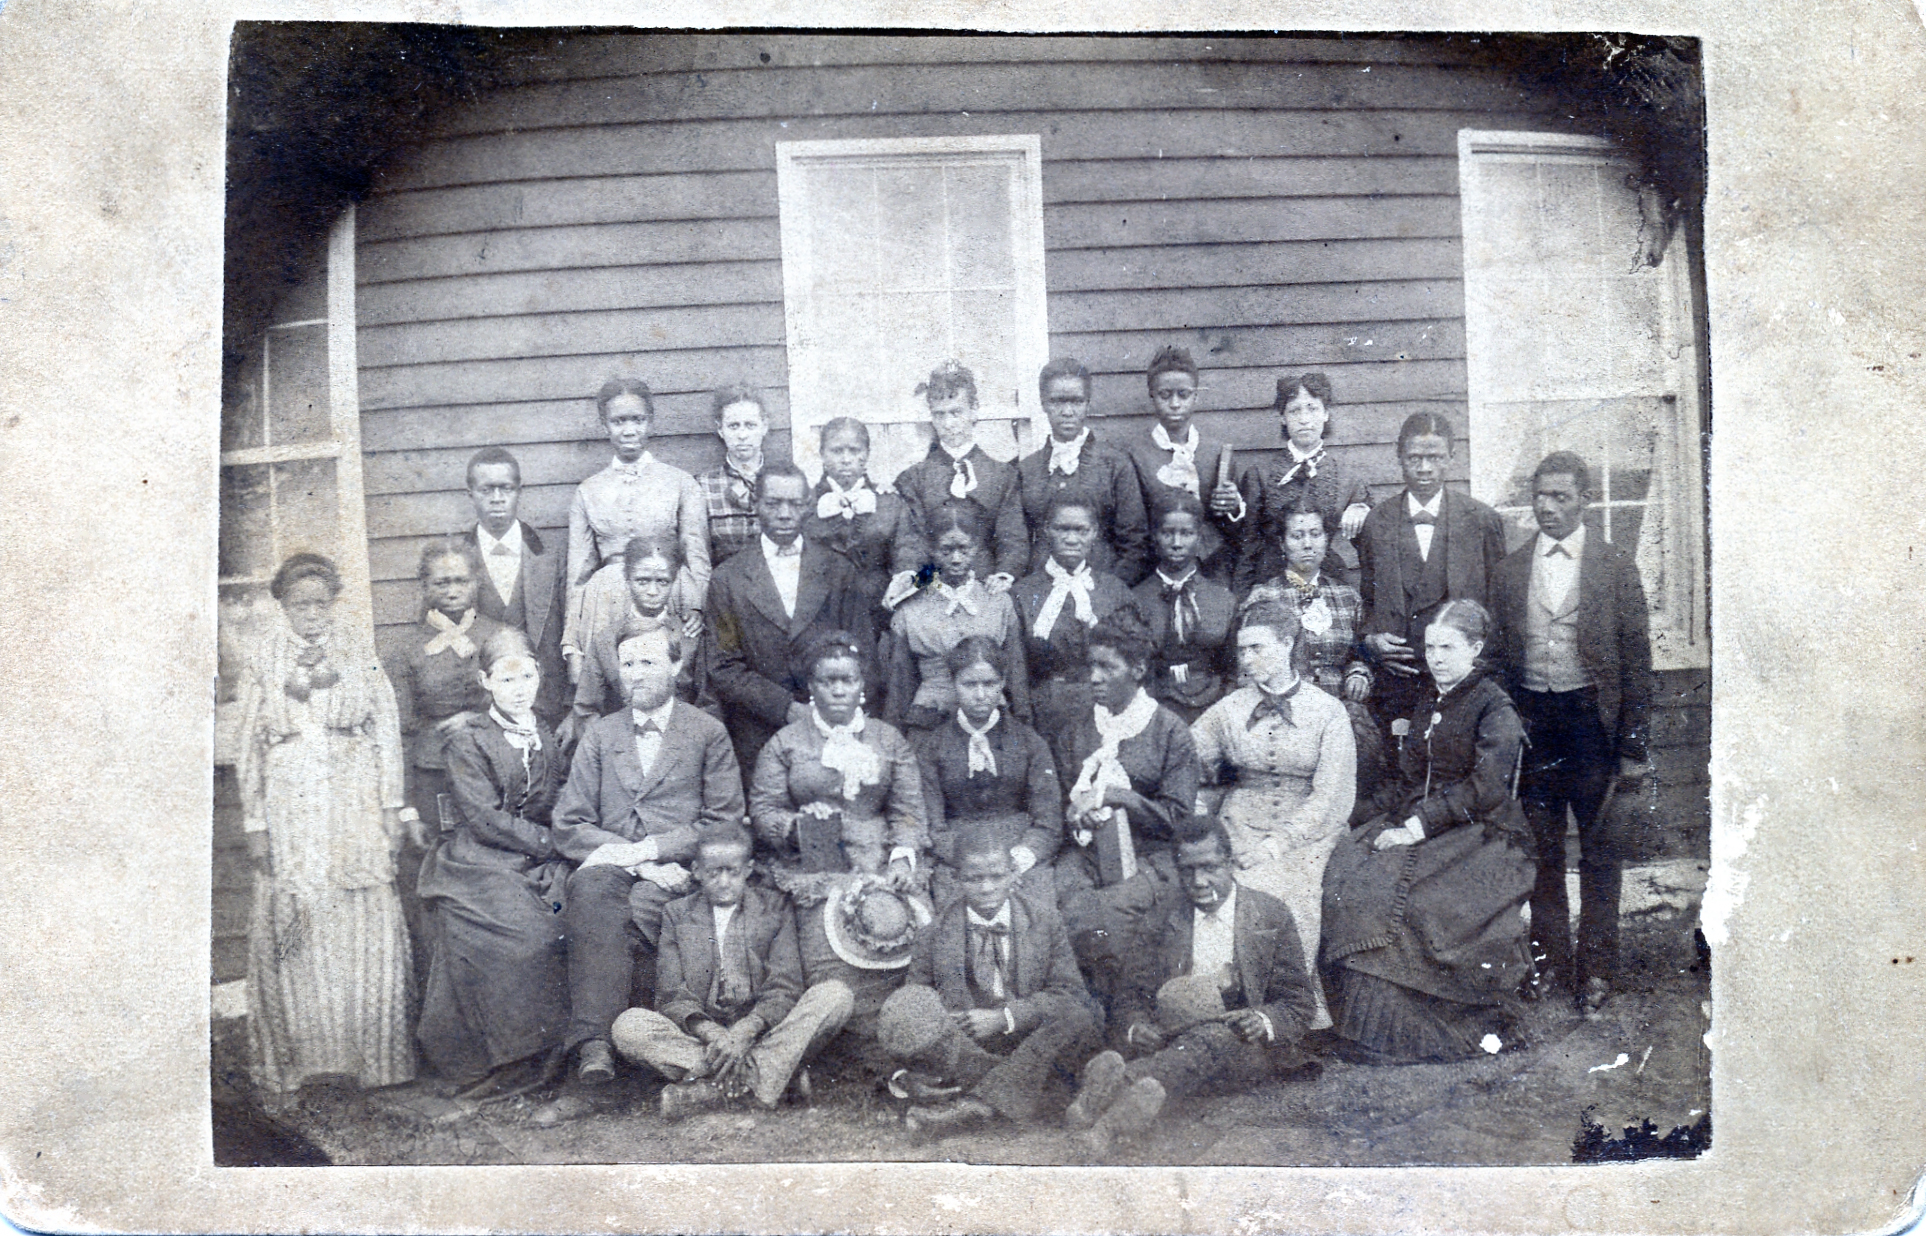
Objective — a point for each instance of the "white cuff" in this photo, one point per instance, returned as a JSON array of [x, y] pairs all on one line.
[[409, 815], [1270, 1031], [904, 852], [1009, 1020], [1416, 824], [651, 849]]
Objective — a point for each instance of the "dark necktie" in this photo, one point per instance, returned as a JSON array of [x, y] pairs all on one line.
[[1278, 706], [986, 957]]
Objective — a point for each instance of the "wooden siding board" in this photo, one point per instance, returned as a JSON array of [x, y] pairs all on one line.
[[1081, 312], [593, 198], [548, 291], [1244, 220], [569, 334], [750, 145], [559, 248], [1294, 263], [577, 56], [978, 88], [568, 377], [1272, 349]]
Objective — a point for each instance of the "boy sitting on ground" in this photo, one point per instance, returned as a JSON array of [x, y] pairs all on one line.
[[1222, 969], [992, 1001], [728, 978]]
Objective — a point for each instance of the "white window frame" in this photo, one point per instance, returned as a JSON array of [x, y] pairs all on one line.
[[1680, 638], [1007, 424]]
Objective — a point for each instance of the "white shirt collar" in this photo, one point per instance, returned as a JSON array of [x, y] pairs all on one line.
[[1574, 544], [660, 715], [1434, 507], [641, 461], [487, 542], [1301, 456], [1000, 919], [773, 551]]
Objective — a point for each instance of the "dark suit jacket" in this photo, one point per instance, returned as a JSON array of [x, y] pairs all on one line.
[[1474, 546], [1613, 634], [1044, 980], [1265, 951], [685, 963], [608, 799], [544, 605], [756, 651]]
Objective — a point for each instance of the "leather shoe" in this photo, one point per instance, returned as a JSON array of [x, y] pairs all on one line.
[[947, 1119], [1593, 996], [595, 1066], [1104, 1079], [1133, 1112], [680, 1100]]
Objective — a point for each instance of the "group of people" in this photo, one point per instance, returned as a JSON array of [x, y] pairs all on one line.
[[1069, 785]]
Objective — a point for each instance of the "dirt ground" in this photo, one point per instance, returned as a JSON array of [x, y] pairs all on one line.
[[1643, 1058]]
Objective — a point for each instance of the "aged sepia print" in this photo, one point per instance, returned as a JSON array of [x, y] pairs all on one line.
[[993, 599]]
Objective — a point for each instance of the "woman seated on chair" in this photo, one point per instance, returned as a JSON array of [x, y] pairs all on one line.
[[1424, 938]]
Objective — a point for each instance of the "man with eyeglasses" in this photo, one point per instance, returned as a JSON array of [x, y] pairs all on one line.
[[521, 581]]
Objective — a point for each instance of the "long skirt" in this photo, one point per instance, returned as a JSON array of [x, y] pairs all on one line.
[[497, 989], [1285, 859], [329, 980], [1427, 943]]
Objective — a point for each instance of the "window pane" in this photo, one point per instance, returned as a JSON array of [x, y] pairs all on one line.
[[979, 240], [247, 542], [298, 408], [305, 507], [241, 422], [909, 237]]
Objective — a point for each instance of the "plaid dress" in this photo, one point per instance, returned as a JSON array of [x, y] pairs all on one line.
[[1332, 651], [731, 498]]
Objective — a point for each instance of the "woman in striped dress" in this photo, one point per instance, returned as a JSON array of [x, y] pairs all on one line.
[[328, 967]]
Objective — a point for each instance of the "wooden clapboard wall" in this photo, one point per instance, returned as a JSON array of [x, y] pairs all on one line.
[[1274, 204]]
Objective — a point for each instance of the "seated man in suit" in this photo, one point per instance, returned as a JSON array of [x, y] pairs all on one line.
[[734, 1017], [1418, 549], [643, 782], [1215, 1000], [521, 583], [1577, 659], [992, 1001], [767, 606]]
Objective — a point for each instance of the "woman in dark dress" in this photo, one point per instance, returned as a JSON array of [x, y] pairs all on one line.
[[1424, 938], [1306, 473], [438, 691], [497, 997], [984, 767], [875, 529], [1057, 606], [1134, 772]]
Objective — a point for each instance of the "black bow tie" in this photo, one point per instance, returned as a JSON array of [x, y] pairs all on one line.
[[1423, 517]]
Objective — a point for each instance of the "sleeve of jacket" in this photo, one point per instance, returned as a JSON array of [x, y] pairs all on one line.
[[1288, 998], [1063, 989], [909, 547], [674, 999], [900, 677], [581, 564], [692, 528], [1131, 532], [1011, 531], [1485, 789], [1143, 972], [1177, 784], [1245, 534], [1016, 666], [479, 799], [1375, 622], [722, 801], [1492, 525], [730, 675], [1044, 837], [904, 807], [921, 971], [935, 809], [782, 983], [1634, 659], [771, 811], [578, 824]]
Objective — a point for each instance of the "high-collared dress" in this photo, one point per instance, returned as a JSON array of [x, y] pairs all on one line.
[[1016, 794], [729, 497], [623, 501], [877, 533], [493, 886], [1105, 478], [1426, 943], [1330, 618], [328, 965], [1194, 662], [990, 483], [1292, 774], [1327, 485], [923, 631], [882, 818]]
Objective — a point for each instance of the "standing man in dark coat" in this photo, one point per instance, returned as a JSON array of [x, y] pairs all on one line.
[[521, 584], [1578, 662], [1417, 550], [767, 606]]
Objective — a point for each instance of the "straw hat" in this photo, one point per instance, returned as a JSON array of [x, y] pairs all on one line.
[[872, 927]]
